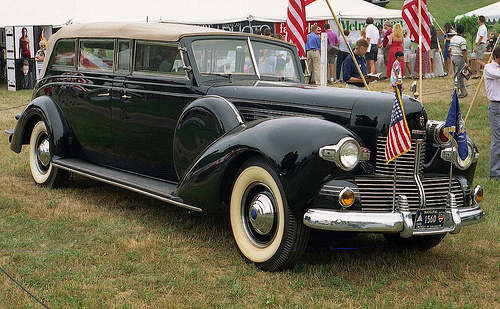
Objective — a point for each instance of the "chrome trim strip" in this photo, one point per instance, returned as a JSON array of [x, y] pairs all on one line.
[[416, 175], [254, 60]]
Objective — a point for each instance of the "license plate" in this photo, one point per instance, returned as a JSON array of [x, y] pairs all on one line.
[[430, 218]]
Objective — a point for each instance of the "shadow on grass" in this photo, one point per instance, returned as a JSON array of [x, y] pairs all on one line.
[[363, 252]]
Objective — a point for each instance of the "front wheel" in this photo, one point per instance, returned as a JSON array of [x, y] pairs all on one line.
[[265, 231], [42, 170]]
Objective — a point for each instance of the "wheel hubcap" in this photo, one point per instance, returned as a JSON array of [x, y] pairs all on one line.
[[262, 213], [43, 152]]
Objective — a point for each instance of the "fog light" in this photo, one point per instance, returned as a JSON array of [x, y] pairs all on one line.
[[477, 193], [346, 197]]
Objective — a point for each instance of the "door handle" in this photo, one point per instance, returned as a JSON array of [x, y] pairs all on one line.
[[103, 94], [126, 97]]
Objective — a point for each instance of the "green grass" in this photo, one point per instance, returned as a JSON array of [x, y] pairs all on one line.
[[90, 245], [446, 10]]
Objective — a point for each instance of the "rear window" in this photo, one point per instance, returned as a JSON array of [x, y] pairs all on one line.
[[157, 57], [65, 54], [96, 54]]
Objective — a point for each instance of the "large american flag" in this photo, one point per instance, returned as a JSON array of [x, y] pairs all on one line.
[[410, 16], [296, 24], [399, 137]]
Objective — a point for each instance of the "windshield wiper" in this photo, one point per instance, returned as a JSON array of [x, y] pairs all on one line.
[[226, 75]]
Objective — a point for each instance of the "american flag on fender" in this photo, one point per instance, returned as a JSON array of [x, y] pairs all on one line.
[[399, 138], [296, 24], [410, 16]]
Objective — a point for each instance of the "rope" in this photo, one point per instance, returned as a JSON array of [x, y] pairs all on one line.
[[23, 288], [9, 108]]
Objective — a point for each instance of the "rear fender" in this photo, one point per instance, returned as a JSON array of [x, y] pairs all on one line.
[[290, 145], [42, 108]]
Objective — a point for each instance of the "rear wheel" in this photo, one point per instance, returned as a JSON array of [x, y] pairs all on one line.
[[265, 231], [42, 170], [423, 243]]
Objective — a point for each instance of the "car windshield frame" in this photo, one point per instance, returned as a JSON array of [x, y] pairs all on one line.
[[243, 57]]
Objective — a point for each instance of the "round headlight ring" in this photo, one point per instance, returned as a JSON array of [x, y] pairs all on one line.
[[349, 154], [466, 163]]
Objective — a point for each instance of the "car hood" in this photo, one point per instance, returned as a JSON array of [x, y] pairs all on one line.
[[301, 94], [350, 108]]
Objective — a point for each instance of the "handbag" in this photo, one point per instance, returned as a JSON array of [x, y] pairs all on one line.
[[466, 73], [332, 50]]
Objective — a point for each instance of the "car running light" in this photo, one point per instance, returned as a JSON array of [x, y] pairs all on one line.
[[346, 197], [477, 194]]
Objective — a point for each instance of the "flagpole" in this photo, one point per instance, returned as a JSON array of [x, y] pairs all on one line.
[[348, 46], [394, 187], [480, 84], [455, 153], [420, 50]]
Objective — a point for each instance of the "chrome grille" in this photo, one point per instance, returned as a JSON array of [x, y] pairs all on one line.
[[377, 191], [250, 114], [405, 163]]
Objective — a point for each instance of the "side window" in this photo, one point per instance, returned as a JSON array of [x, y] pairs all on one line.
[[156, 57], [64, 55], [124, 51], [96, 54]]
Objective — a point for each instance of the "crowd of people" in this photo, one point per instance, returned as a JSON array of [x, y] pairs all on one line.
[[385, 40]]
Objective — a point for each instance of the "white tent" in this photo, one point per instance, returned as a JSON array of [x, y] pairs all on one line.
[[225, 11], [59, 12], [490, 12]]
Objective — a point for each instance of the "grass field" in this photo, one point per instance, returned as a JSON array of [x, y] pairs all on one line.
[[91, 245], [445, 10]]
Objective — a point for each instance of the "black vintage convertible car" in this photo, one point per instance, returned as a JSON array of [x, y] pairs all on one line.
[[202, 118]]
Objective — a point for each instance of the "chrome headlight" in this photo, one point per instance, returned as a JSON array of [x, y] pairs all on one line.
[[435, 133], [450, 154], [346, 153]]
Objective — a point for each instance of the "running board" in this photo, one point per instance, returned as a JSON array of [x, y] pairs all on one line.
[[158, 189]]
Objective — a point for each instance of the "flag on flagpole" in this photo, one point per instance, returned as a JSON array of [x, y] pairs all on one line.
[[399, 137], [296, 31], [296, 25], [410, 16], [454, 128]]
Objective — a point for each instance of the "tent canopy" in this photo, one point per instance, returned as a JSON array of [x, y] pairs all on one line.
[[490, 12], [59, 12]]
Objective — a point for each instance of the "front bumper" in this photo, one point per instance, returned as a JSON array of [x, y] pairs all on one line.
[[399, 221]]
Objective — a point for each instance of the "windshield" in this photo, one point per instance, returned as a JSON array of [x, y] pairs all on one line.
[[233, 56]]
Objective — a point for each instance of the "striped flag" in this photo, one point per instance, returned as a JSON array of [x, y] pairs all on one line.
[[410, 16], [296, 24], [399, 138]]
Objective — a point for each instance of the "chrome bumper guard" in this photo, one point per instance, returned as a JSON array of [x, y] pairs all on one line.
[[399, 221]]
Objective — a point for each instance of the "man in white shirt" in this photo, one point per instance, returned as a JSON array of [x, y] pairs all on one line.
[[480, 47], [372, 37], [458, 47], [492, 85]]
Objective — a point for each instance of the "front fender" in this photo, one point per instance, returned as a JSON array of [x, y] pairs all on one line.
[[289, 144], [42, 108]]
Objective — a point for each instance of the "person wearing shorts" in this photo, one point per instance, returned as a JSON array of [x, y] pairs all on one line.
[[372, 36], [480, 47]]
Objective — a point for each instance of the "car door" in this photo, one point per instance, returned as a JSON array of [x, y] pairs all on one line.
[[151, 100], [91, 112]]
